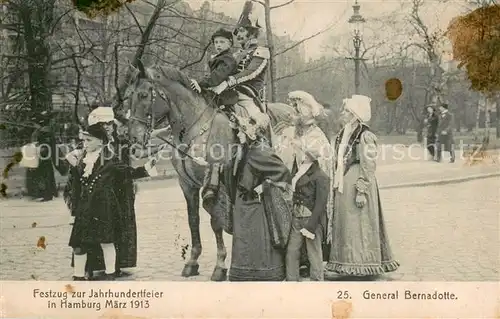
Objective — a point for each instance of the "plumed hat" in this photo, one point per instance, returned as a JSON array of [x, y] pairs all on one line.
[[359, 105], [101, 114], [223, 33], [246, 19]]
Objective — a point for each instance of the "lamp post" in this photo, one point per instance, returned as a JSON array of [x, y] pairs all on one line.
[[356, 21]]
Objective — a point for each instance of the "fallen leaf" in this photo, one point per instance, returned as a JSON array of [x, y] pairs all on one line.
[[33, 225], [41, 242]]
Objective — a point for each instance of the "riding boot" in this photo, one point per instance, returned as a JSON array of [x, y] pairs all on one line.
[[210, 187]]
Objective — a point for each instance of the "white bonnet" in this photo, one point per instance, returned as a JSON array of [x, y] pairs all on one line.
[[359, 105]]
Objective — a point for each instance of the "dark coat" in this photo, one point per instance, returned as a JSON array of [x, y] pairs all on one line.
[[221, 67], [432, 127], [311, 191], [118, 187], [446, 124]]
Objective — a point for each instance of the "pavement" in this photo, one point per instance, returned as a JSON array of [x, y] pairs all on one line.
[[446, 231]]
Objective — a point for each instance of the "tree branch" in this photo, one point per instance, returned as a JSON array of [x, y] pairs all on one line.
[[316, 68], [281, 5], [135, 19], [303, 40], [259, 2]]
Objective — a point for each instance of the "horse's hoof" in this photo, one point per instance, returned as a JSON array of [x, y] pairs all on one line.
[[219, 274], [190, 270]]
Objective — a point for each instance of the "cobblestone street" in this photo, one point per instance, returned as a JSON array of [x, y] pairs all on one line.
[[438, 233]]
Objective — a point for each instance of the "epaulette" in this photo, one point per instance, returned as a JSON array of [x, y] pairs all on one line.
[[262, 52]]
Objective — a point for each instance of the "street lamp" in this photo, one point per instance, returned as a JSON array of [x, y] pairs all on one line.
[[356, 21]]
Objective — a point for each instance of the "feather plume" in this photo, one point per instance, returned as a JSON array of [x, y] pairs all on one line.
[[247, 11]]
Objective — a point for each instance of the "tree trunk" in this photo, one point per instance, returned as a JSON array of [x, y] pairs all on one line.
[[478, 115], [270, 44], [487, 119], [498, 116], [36, 18]]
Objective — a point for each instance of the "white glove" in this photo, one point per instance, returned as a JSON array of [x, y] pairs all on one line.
[[74, 156], [195, 86], [220, 88], [150, 166], [307, 234], [258, 189]]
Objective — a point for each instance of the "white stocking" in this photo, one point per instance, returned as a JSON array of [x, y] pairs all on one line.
[[79, 265], [109, 253]]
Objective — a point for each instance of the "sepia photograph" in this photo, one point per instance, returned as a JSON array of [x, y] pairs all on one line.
[[340, 141]]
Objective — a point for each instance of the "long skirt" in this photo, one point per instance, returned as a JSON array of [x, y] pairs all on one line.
[[253, 257], [40, 181], [360, 245]]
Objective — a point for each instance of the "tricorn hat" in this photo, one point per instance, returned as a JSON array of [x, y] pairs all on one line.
[[246, 19], [223, 33], [96, 131]]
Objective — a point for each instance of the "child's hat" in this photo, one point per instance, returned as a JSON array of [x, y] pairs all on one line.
[[222, 33]]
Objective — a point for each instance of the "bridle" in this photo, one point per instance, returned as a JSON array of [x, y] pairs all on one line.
[[150, 122]]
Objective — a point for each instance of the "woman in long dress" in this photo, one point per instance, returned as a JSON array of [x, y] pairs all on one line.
[[255, 256], [360, 245]]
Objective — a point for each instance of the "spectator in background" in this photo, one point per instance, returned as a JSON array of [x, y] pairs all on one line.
[[40, 181], [431, 122], [445, 133]]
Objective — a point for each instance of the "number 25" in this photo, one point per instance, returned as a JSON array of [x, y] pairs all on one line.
[[343, 294]]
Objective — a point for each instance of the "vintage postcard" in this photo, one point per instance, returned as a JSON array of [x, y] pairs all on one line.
[[250, 159]]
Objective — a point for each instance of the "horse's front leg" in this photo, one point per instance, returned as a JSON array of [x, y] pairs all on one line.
[[220, 270], [192, 196]]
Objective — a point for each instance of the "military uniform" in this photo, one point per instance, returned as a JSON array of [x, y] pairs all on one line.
[[249, 82]]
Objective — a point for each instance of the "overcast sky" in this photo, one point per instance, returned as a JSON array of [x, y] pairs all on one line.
[[306, 17]]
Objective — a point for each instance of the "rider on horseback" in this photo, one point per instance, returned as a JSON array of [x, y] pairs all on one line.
[[253, 60], [249, 84], [222, 64]]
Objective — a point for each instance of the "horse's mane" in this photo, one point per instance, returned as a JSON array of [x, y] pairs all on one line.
[[174, 74]]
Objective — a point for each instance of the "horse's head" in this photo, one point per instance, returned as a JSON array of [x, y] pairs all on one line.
[[142, 112], [159, 95]]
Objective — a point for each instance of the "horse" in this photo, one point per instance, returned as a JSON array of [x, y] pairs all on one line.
[[159, 96]]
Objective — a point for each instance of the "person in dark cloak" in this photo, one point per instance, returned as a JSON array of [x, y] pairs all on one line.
[[432, 121], [103, 118], [40, 181]]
